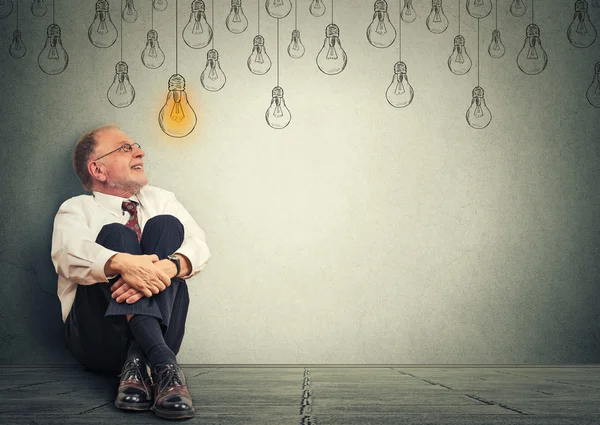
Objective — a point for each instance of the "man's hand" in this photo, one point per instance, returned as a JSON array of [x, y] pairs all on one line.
[[123, 292], [139, 273]]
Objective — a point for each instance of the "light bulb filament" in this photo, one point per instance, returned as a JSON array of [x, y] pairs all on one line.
[[459, 56], [278, 3], [295, 45], [331, 52], [53, 52], [278, 112], [236, 15], [177, 114], [102, 28], [259, 57], [532, 53], [399, 86], [581, 27], [212, 74], [478, 2], [381, 29], [197, 28], [478, 109], [437, 17]]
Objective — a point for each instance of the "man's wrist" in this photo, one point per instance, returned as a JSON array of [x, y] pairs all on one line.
[[114, 264]]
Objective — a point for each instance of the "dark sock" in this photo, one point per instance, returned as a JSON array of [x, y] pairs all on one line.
[[146, 331], [135, 351]]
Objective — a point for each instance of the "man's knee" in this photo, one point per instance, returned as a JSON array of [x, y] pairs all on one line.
[[117, 237], [163, 222]]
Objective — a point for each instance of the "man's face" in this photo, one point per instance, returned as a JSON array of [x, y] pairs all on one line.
[[124, 171]]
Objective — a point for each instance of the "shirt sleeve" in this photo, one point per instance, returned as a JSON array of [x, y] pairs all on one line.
[[194, 245], [75, 254]]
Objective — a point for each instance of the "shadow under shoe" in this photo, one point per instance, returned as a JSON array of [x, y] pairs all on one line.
[[135, 389], [172, 399]]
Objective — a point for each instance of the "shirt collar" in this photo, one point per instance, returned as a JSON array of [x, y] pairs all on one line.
[[113, 203]]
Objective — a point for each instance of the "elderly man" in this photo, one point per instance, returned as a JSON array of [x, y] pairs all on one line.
[[122, 255]]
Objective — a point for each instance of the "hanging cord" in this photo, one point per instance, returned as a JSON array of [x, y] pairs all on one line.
[[400, 28], [258, 11], [332, 11], [277, 52], [458, 17], [176, 34], [496, 15], [478, 51], [121, 14], [532, 14], [212, 19], [53, 11], [152, 14], [17, 15], [296, 15]]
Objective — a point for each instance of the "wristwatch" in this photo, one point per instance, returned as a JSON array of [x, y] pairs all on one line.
[[175, 260]]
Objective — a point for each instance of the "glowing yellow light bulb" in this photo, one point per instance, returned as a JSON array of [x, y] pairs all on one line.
[[177, 118]]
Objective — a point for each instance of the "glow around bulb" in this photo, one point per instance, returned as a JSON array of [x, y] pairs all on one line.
[[332, 59], [102, 33], [236, 21], [160, 5], [317, 8], [459, 61], [296, 48], [593, 91], [53, 59], [197, 32], [408, 13], [17, 49], [399, 93], [479, 8], [121, 93], [581, 32], [478, 114], [437, 21], [278, 8], [496, 49], [278, 115], [129, 13], [532, 58], [212, 78], [381, 33], [6, 6], [38, 8], [259, 61], [177, 117], [152, 55], [518, 8]]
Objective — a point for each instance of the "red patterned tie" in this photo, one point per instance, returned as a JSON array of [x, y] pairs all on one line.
[[132, 223]]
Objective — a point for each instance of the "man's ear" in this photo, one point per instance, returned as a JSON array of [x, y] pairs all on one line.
[[97, 171]]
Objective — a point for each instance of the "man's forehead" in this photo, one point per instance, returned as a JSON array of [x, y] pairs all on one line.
[[112, 136]]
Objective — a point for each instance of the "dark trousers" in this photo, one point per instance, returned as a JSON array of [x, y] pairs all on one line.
[[96, 327]]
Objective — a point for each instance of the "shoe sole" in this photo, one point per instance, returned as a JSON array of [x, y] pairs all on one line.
[[173, 415], [133, 406]]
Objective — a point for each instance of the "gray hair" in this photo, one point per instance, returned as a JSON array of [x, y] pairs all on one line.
[[83, 151]]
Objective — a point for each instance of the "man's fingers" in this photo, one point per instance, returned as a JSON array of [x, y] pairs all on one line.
[[121, 290], [117, 284], [136, 297], [164, 278], [153, 258], [126, 295]]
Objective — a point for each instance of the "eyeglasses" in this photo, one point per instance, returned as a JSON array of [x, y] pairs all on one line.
[[123, 148]]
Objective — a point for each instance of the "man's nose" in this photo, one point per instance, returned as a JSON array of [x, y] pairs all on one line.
[[138, 152]]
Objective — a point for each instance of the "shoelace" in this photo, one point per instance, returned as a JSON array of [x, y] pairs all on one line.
[[133, 369], [168, 376]]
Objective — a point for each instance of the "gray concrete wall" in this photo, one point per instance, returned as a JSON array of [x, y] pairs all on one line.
[[361, 233]]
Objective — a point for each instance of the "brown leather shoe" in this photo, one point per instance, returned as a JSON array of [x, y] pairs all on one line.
[[172, 400], [135, 390]]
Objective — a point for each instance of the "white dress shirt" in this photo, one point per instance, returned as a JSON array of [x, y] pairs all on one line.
[[78, 259]]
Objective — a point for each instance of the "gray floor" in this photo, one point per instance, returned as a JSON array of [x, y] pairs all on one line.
[[322, 395]]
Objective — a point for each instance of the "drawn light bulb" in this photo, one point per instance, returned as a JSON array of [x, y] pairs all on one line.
[[518, 8], [6, 6], [102, 32], [152, 55], [581, 32], [17, 49], [177, 117], [53, 59], [121, 93], [38, 8], [129, 13], [160, 5], [278, 8], [478, 114], [236, 21], [278, 115], [532, 59], [317, 8], [408, 13], [459, 61], [593, 91], [496, 49], [197, 32], [332, 58], [212, 78], [381, 33], [259, 61], [437, 22], [399, 93], [479, 8], [296, 48]]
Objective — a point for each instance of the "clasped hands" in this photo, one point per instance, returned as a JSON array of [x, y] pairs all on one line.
[[141, 276]]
